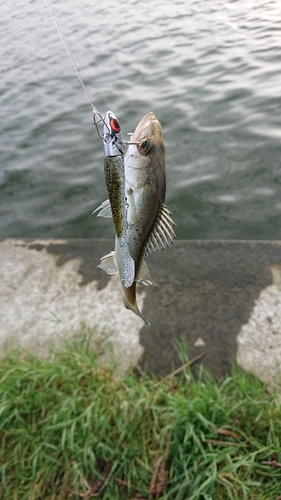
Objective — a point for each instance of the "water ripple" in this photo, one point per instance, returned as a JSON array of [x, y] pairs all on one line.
[[210, 70]]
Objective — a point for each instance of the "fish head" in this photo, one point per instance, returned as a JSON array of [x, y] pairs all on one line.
[[149, 146], [112, 136], [145, 160]]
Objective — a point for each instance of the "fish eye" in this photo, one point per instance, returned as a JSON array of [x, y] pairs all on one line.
[[146, 146], [114, 123]]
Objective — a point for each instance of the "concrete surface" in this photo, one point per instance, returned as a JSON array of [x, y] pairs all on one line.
[[223, 297]]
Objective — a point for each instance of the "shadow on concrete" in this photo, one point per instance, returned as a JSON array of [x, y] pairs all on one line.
[[88, 252], [207, 291]]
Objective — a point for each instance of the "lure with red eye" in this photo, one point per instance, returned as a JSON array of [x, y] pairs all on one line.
[[114, 170], [115, 125], [112, 136]]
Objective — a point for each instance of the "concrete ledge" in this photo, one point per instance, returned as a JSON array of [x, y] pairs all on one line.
[[224, 297]]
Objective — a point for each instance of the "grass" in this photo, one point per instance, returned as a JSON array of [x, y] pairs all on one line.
[[71, 429]]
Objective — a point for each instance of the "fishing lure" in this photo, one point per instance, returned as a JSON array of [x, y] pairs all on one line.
[[116, 206]]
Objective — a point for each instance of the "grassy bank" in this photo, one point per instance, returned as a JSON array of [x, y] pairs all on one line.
[[70, 429]]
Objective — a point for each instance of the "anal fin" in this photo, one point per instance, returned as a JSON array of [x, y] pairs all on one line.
[[108, 263]]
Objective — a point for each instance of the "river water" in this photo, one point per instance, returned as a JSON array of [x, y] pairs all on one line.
[[209, 69]]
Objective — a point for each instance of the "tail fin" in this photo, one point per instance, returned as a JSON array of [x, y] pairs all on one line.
[[130, 301]]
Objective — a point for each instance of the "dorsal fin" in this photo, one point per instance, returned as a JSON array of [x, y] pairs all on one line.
[[108, 263], [105, 210], [162, 234]]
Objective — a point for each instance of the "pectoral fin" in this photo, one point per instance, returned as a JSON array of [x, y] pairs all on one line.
[[108, 263], [105, 210], [162, 234]]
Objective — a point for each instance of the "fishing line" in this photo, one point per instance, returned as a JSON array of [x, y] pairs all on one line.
[[98, 118]]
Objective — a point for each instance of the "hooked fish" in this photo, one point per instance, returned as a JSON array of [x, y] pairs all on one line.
[[116, 206], [149, 222]]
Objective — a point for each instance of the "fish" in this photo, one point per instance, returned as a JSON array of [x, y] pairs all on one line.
[[116, 206], [149, 222], [150, 225]]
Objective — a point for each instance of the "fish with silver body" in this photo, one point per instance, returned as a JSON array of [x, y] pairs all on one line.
[[149, 222]]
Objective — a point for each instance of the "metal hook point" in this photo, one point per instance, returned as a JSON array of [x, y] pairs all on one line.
[[129, 143]]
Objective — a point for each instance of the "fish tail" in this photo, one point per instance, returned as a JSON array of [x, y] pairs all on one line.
[[130, 301]]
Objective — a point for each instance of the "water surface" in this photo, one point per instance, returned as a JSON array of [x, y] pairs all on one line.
[[210, 71]]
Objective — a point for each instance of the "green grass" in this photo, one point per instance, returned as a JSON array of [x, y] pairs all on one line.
[[67, 423]]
